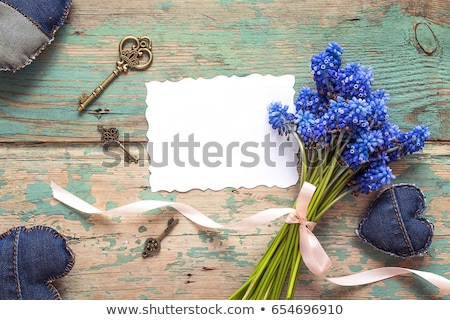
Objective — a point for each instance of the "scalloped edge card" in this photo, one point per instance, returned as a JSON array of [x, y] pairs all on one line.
[[214, 133]]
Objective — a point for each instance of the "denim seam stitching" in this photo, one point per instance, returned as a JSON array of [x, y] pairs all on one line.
[[16, 264], [400, 221], [67, 267], [54, 28], [47, 282], [50, 38], [421, 219], [5, 234], [369, 213], [28, 18]]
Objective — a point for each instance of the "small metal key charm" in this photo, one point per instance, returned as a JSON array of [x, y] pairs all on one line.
[[153, 245], [141, 49], [111, 136]]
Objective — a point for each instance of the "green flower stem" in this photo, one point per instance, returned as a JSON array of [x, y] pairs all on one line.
[[319, 194], [269, 276], [296, 263], [286, 262], [282, 260], [272, 282], [250, 285], [303, 164]]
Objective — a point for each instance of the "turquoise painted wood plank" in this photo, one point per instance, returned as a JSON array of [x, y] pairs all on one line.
[[224, 42], [43, 138]]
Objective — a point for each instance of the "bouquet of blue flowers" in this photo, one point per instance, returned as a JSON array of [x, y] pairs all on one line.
[[346, 144]]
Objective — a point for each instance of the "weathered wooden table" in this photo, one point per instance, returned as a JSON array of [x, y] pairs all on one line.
[[43, 138]]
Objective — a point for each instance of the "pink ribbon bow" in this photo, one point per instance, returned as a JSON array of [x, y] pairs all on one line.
[[313, 254]]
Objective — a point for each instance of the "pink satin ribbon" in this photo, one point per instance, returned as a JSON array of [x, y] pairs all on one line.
[[317, 261], [314, 256]]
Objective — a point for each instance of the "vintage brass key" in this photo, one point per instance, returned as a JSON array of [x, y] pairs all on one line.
[[111, 135], [153, 245], [140, 51]]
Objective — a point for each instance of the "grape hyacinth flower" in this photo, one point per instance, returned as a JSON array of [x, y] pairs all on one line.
[[345, 106], [347, 144]]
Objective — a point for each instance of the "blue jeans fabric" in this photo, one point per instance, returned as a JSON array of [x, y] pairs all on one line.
[[47, 14], [30, 260], [27, 28], [393, 223]]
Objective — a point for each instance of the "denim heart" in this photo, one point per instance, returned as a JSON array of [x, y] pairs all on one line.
[[30, 260], [393, 223], [27, 28]]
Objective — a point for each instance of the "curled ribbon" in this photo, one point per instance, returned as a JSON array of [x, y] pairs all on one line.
[[314, 256], [317, 261], [189, 212]]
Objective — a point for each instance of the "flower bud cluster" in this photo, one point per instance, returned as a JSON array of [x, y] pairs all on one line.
[[345, 106]]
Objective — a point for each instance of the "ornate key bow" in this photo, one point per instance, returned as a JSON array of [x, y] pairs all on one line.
[[139, 56]]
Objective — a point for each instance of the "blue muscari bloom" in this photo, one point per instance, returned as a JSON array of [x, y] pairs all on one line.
[[279, 117], [414, 140], [352, 115], [334, 50], [354, 81], [391, 133], [345, 106], [325, 66], [351, 157], [371, 140], [359, 110], [376, 175], [305, 121], [361, 148], [322, 133], [309, 100], [379, 108], [398, 143], [337, 114], [380, 94], [305, 99]]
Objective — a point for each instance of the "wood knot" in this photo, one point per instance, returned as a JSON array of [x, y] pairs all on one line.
[[425, 38]]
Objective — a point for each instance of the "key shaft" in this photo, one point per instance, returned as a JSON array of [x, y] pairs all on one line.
[[85, 100], [170, 225], [138, 57], [128, 156]]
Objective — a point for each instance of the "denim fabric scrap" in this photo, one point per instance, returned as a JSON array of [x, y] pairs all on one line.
[[393, 223], [27, 28], [30, 260]]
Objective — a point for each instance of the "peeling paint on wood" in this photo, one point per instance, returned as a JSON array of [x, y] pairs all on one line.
[[43, 138]]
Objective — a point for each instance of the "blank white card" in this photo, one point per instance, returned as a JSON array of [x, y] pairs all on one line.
[[214, 133]]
